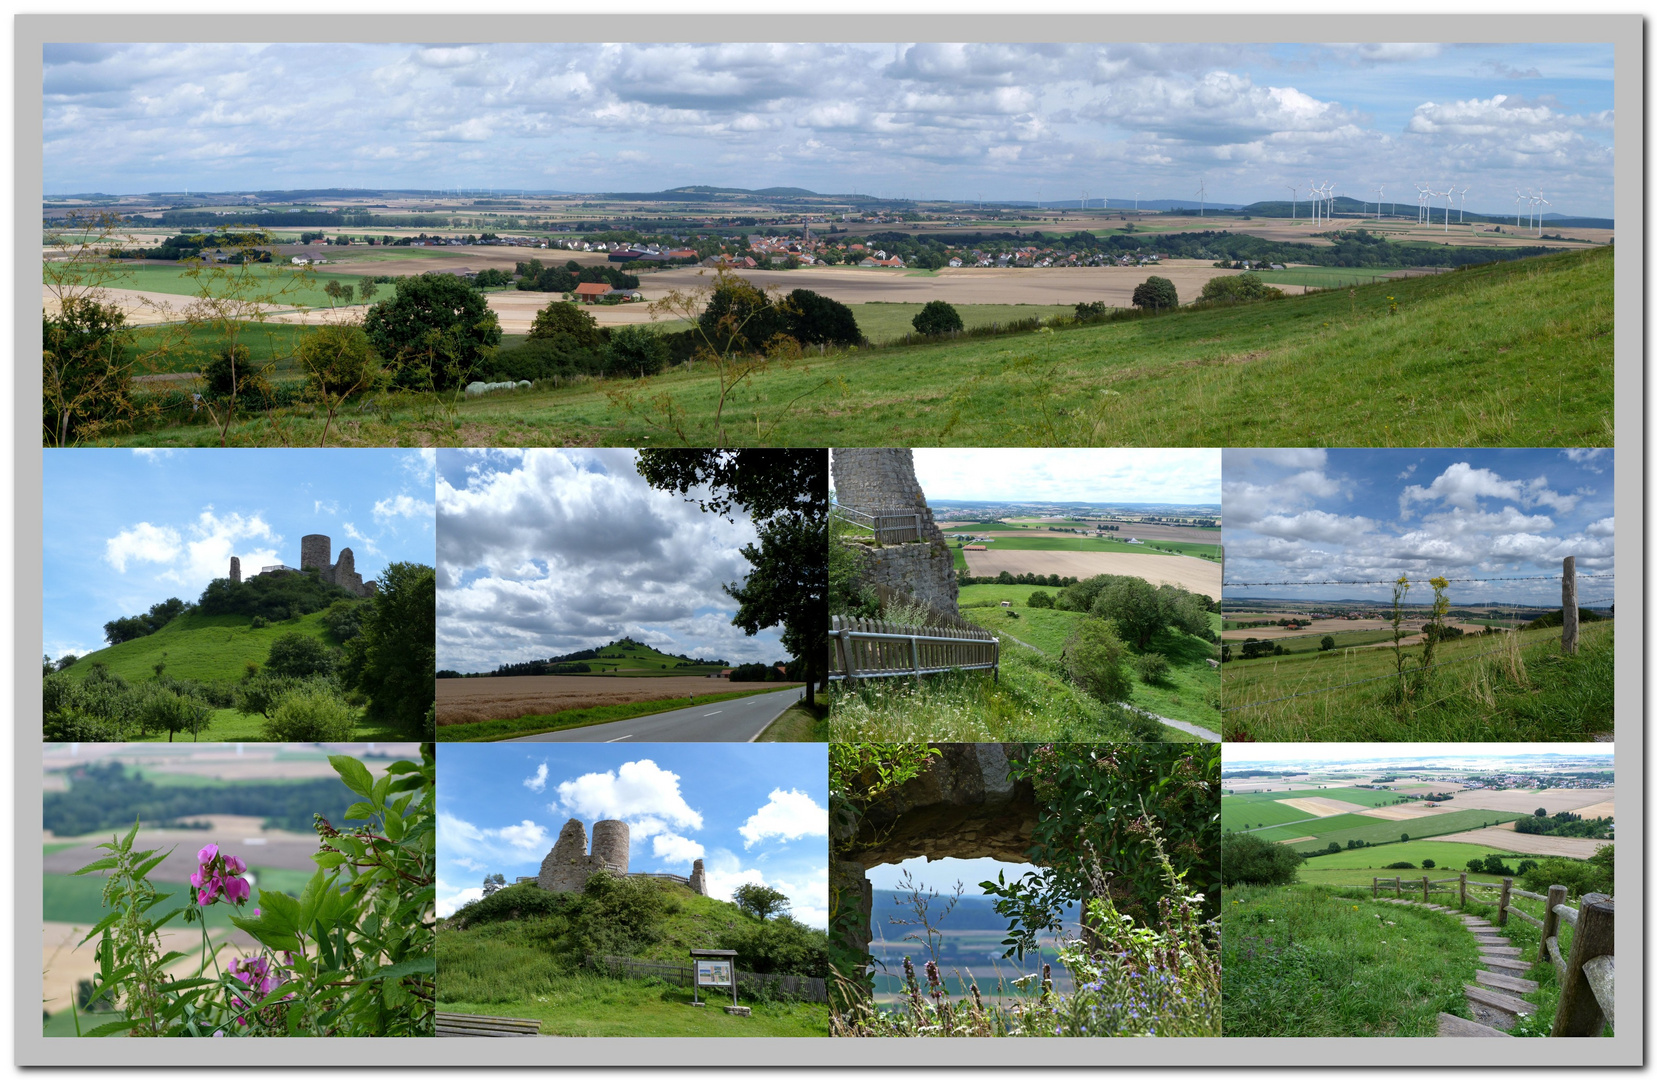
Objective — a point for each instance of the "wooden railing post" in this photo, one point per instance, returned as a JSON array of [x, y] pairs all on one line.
[[1426, 890], [1464, 890], [1567, 608], [1501, 906], [1579, 1010], [1374, 886], [1398, 886], [1550, 918]]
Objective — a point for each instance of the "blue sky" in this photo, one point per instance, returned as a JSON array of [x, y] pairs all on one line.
[[125, 529], [753, 813], [544, 552], [1306, 515], [1105, 475], [928, 120]]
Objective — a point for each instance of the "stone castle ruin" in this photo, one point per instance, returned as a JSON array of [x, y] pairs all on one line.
[[882, 481], [314, 552], [569, 864]]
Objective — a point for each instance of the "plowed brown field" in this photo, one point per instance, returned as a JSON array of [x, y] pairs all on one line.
[[1198, 575], [1503, 838]]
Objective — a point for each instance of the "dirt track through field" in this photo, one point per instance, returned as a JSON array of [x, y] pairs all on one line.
[[1198, 575], [1503, 838], [1297, 840], [467, 701]]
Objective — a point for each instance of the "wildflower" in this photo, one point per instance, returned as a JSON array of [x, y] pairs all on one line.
[[217, 874]]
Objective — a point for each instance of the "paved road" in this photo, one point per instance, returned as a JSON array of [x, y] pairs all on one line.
[[732, 720]]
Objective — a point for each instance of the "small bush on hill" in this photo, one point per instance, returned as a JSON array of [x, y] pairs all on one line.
[[1399, 866], [620, 915], [1097, 660], [1156, 294], [525, 901], [1594, 874], [1249, 860], [1040, 600], [635, 350], [780, 946], [313, 713], [938, 317], [299, 656], [1238, 290], [1153, 668], [818, 320], [274, 597]]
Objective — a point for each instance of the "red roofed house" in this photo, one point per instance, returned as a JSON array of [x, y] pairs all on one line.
[[589, 291]]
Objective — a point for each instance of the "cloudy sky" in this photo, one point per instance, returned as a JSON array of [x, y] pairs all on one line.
[[1308, 515], [125, 529], [930, 120], [544, 552], [752, 814], [1035, 475]]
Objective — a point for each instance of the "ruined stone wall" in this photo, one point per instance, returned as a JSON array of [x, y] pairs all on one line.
[[882, 480], [965, 805], [568, 865], [235, 569], [699, 879]]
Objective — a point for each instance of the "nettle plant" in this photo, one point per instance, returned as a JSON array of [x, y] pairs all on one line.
[[351, 956]]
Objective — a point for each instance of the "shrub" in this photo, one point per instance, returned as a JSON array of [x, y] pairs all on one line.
[[564, 321], [86, 369], [299, 656], [1594, 874], [818, 320], [549, 358], [781, 946], [343, 619], [1428, 864], [1039, 600], [434, 331], [938, 317], [1327, 643], [310, 714], [232, 369], [620, 915], [338, 361], [636, 350], [1399, 866], [1097, 660], [525, 901], [1237, 290], [1156, 294], [1249, 860], [1153, 668]]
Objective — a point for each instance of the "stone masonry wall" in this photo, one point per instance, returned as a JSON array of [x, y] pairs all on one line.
[[568, 865], [882, 480]]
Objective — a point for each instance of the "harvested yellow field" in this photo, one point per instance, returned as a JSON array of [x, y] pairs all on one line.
[[1297, 840], [467, 701], [1608, 808], [1553, 800], [1318, 807], [1503, 838], [1198, 575], [1401, 813], [63, 965]]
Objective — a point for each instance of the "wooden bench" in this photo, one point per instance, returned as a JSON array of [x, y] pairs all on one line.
[[465, 1025]]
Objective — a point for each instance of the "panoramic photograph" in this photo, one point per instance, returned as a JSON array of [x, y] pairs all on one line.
[[1419, 595], [805, 244], [1417, 889], [256, 596], [210, 891], [637, 890], [978, 595], [1003, 890], [654, 595]]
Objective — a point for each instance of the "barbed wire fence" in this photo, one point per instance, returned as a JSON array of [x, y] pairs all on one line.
[[1570, 607]]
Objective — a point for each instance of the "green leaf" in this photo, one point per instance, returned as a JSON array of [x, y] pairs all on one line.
[[328, 859], [99, 864], [360, 810], [354, 773], [424, 965], [144, 870], [126, 841], [281, 911], [267, 934], [110, 1029], [309, 899], [380, 788], [103, 924]]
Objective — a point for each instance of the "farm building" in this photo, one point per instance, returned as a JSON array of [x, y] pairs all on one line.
[[589, 291]]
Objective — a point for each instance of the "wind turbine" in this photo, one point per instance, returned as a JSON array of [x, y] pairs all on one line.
[[1380, 193], [1543, 202], [1461, 211], [1136, 203], [1312, 197], [1422, 192], [1294, 201], [1202, 196], [1518, 202], [1084, 202]]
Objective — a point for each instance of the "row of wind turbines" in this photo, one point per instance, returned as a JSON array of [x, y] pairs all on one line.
[[1323, 206]]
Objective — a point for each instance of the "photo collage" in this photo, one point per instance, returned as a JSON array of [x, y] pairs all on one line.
[[628, 541]]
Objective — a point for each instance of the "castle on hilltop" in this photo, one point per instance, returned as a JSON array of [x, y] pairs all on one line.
[[314, 553], [569, 864]]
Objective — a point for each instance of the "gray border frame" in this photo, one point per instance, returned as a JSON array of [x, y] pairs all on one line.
[[1625, 32]]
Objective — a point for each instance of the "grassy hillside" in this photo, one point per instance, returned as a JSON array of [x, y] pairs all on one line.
[[531, 965], [633, 658], [1346, 827], [1515, 686], [1506, 354], [1304, 961], [199, 647], [1190, 693]]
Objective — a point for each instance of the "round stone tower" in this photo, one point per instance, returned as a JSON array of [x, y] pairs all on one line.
[[611, 840], [316, 550], [235, 569]]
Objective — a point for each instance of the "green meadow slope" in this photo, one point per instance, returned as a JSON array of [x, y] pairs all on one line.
[[199, 647], [1503, 354]]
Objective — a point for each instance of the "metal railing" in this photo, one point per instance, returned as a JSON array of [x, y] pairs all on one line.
[[873, 649], [886, 528]]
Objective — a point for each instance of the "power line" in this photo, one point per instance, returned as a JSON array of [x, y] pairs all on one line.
[[1360, 682]]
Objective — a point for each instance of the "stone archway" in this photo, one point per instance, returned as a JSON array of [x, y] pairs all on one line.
[[966, 805]]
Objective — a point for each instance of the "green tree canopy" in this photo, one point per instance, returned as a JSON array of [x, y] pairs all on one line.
[[433, 331], [1156, 294], [394, 658], [938, 317], [760, 901]]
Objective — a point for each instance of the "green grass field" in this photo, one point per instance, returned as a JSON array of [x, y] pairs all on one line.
[[1192, 688], [79, 900], [882, 322], [1343, 827], [1326, 277], [1303, 961], [1239, 813], [1504, 354], [1524, 689], [270, 349], [591, 1005], [199, 647], [642, 658], [1446, 856], [280, 287]]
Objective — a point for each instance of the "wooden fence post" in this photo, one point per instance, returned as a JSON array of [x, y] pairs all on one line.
[[1550, 918], [1567, 608], [1398, 886], [1579, 1010], [1464, 890], [1501, 907], [1374, 886], [1426, 890]]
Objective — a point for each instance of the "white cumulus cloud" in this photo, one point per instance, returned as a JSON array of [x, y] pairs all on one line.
[[789, 815]]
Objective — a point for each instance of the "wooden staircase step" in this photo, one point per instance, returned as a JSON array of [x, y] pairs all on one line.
[[1504, 963], [1496, 999], [1454, 1027], [1474, 920], [1498, 950], [1505, 982]]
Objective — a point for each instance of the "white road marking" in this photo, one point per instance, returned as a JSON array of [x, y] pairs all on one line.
[[619, 740], [716, 712]]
